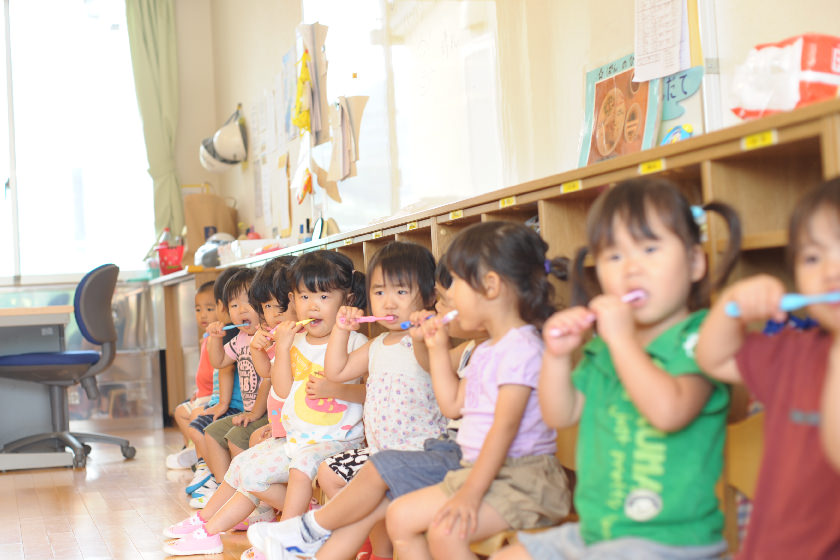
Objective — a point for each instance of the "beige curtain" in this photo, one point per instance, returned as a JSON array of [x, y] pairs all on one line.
[[151, 36]]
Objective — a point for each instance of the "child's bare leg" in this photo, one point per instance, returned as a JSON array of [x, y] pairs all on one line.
[[216, 457], [298, 494], [234, 449], [512, 552], [355, 502], [411, 516], [197, 438], [351, 537], [329, 481], [217, 500], [380, 541], [234, 510], [182, 420], [275, 496]]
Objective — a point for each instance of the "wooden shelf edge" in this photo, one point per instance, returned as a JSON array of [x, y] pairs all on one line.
[[764, 240]]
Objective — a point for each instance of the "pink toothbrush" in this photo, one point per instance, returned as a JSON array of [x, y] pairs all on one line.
[[369, 319], [634, 295]]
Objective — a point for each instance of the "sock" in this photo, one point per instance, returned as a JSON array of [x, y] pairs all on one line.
[[310, 530], [198, 514]]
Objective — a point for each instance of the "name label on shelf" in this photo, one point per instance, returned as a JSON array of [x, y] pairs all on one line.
[[377, 234], [411, 226], [760, 140], [506, 202], [571, 186], [652, 166], [455, 214], [348, 241]]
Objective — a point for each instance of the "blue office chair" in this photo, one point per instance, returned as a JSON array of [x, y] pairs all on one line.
[[59, 370]]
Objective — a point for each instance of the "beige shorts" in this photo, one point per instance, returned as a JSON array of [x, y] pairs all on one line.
[[528, 492]]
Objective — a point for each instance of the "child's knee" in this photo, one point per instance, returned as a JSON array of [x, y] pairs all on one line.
[[329, 481], [396, 517]]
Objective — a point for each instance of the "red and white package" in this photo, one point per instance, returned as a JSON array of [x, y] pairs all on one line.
[[791, 73]]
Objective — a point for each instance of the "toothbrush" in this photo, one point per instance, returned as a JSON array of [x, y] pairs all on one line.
[[405, 325], [790, 302], [370, 319], [301, 322], [626, 298], [229, 327]]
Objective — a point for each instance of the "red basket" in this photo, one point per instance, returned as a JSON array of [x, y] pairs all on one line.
[[170, 259]]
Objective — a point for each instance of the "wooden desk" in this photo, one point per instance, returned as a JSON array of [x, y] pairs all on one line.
[[25, 407]]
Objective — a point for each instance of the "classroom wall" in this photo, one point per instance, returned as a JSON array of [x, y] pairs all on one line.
[[543, 49], [197, 88]]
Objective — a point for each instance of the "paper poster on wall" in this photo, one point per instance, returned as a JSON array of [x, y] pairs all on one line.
[[258, 188], [269, 182], [621, 115], [661, 43], [285, 86], [281, 196]]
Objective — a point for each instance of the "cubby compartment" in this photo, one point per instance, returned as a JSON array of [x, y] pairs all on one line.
[[518, 213], [763, 186], [446, 227], [419, 236], [372, 246], [355, 252]]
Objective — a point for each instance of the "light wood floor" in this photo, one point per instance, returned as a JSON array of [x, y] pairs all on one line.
[[114, 508]]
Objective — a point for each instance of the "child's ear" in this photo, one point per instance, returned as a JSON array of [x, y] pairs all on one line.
[[349, 299], [492, 284], [697, 263]]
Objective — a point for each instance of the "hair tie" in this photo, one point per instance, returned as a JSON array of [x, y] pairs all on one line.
[[547, 264], [699, 214]]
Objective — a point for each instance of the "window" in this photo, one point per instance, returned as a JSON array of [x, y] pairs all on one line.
[[84, 196]]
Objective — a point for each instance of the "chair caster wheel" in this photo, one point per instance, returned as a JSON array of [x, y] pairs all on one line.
[[79, 462], [86, 447], [128, 451]]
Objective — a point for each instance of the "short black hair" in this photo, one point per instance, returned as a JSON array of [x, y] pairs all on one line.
[[221, 280], [239, 282], [408, 264], [263, 287], [323, 271], [442, 275], [206, 287]]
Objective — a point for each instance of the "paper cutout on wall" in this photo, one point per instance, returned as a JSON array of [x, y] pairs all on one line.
[[282, 203], [345, 123], [678, 87], [313, 36], [303, 96], [329, 186]]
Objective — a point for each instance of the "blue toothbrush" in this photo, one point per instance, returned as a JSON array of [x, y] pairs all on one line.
[[405, 325], [229, 327], [790, 302]]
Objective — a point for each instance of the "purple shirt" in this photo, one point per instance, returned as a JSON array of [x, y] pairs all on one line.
[[514, 360]]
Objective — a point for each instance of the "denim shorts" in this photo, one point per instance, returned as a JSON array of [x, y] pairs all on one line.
[[407, 471]]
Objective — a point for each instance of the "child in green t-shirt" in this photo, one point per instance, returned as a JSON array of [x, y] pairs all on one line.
[[652, 425]]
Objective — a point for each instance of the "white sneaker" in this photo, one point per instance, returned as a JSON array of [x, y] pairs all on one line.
[[275, 539], [183, 459], [203, 494], [202, 474]]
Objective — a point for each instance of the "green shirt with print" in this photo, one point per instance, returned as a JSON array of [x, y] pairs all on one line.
[[635, 480]]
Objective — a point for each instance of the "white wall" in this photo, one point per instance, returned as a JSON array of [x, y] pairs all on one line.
[[544, 48], [197, 111]]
